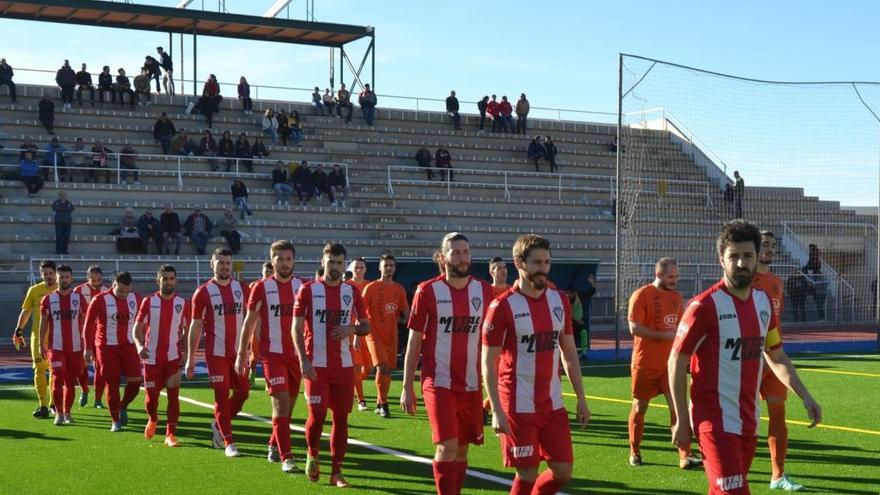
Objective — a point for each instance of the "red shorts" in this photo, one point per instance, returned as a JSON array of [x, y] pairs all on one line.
[[534, 437], [157, 375], [65, 363], [331, 390], [382, 352], [454, 414], [282, 374], [727, 459], [647, 384], [116, 360], [222, 374], [772, 387]]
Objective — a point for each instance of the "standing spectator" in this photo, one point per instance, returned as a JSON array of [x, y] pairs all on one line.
[[550, 152], [128, 240], [77, 159], [329, 101], [338, 183], [243, 152], [319, 180], [423, 158], [303, 184], [258, 150], [84, 81], [343, 100], [208, 148], [105, 85], [167, 64], [226, 149], [296, 132], [367, 101], [505, 113], [587, 303], [522, 113], [123, 88], [100, 155], [182, 145], [577, 318], [29, 171], [164, 131], [240, 197], [154, 71], [279, 184], [317, 102], [270, 125], [63, 210], [209, 102], [6, 74], [169, 226], [452, 110], [443, 160], [127, 162], [142, 87], [149, 230], [283, 127], [198, 228], [739, 189], [483, 107], [818, 284], [796, 287], [66, 80], [229, 230], [47, 114], [244, 96], [536, 151], [53, 158]]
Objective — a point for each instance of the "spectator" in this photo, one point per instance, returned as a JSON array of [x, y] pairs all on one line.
[[338, 185], [818, 284], [270, 125], [127, 162], [796, 286], [296, 132], [166, 63], [164, 131], [105, 85], [63, 210], [149, 230], [169, 226], [154, 71], [303, 183], [423, 158], [208, 148], [209, 102], [27, 145], [536, 151], [54, 158], [47, 114], [505, 113], [84, 81], [243, 152], [329, 101], [123, 88], [259, 150], [522, 113], [182, 145], [452, 109], [319, 180], [317, 102], [244, 96], [226, 149], [443, 160], [77, 159], [283, 127], [577, 318], [587, 303], [492, 112], [128, 241], [240, 197], [367, 101], [100, 155], [66, 80], [343, 100], [6, 74], [142, 87], [550, 152], [739, 189], [30, 174], [482, 107], [279, 184], [198, 228], [229, 230], [613, 146]]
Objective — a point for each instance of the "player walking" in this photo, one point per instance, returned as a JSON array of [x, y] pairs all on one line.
[[31, 307], [93, 286]]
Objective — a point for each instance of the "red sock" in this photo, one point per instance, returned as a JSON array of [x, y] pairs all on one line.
[[445, 477], [131, 391], [69, 391], [236, 402], [172, 415], [221, 413], [83, 379], [338, 440], [460, 475], [314, 427], [636, 430], [151, 402], [281, 432], [58, 395], [113, 399], [546, 484], [100, 384], [777, 438], [521, 486]]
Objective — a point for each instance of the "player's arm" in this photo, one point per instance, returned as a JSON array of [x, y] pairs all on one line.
[[44, 335], [299, 342], [572, 366], [193, 335], [489, 367], [783, 368], [89, 328], [410, 361], [139, 332], [677, 368], [18, 333], [251, 320], [637, 329]]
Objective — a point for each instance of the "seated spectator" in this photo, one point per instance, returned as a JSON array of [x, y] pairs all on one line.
[[319, 180], [295, 124], [77, 160], [240, 197], [53, 156], [27, 145], [149, 230], [127, 162], [142, 87], [66, 80], [522, 113], [452, 110], [226, 149], [338, 185], [329, 101], [283, 126], [105, 85], [128, 241], [208, 148], [303, 183], [47, 114], [100, 156], [29, 172], [123, 87], [279, 184], [244, 96], [483, 107], [164, 131], [492, 113], [198, 228], [243, 152], [209, 102], [423, 158], [154, 71], [6, 74], [84, 82], [258, 151], [536, 151], [229, 230], [169, 226], [505, 114], [550, 153], [367, 101], [343, 100], [443, 160], [182, 145], [317, 102], [270, 125]]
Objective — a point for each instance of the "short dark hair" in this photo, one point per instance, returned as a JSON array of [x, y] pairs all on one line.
[[64, 268], [47, 264], [450, 238], [496, 260], [736, 231], [95, 269], [360, 258], [387, 257], [767, 233], [268, 265], [165, 269], [221, 251], [334, 249], [281, 245], [122, 278], [527, 243]]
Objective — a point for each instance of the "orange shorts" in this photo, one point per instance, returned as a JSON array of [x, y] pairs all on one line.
[[772, 387], [647, 384], [361, 355], [382, 352]]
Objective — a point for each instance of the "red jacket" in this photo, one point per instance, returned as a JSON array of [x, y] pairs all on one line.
[[492, 108], [505, 108]]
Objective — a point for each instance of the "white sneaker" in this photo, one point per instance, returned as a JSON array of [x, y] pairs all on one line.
[[289, 466], [115, 427], [786, 484], [232, 451], [67, 419], [59, 420], [218, 438], [362, 406], [273, 455]]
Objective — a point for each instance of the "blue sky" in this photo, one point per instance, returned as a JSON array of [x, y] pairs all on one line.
[[563, 54]]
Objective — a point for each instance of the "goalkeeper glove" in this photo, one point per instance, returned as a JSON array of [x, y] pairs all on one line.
[[18, 339]]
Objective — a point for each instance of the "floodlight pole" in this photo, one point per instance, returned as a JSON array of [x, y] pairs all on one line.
[[617, 272], [195, 60]]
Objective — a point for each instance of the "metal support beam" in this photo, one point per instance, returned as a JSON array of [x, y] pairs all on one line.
[[195, 60], [341, 65], [373, 59]]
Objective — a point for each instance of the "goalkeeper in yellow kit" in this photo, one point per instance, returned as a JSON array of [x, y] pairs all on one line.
[[31, 307]]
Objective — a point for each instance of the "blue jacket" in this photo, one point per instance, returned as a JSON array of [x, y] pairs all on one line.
[[29, 168]]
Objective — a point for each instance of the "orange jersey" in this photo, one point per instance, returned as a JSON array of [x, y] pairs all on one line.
[[772, 285], [497, 291], [659, 310], [385, 302], [360, 285]]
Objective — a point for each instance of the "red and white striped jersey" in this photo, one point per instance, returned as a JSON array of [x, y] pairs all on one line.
[[528, 331], [66, 315], [726, 337], [450, 320], [221, 308], [276, 314], [326, 308], [110, 319], [88, 292], [166, 320]]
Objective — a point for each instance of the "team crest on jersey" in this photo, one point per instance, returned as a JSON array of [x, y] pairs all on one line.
[[237, 294], [765, 318], [391, 308], [683, 329], [346, 299], [131, 305], [178, 307], [476, 302], [558, 312], [74, 303]]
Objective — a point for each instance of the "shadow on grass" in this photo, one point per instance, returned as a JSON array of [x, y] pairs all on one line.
[[29, 435]]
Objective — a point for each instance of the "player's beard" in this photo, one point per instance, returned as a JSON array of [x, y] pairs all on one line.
[[665, 286], [332, 275], [456, 272], [741, 278], [167, 290], [50, 281], [63, 286], [538, 280], [284, 272], [223, 276]]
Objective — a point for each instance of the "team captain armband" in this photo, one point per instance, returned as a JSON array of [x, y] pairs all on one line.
[[774, 338]]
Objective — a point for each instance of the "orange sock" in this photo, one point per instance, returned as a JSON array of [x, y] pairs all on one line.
[[636, 429], [777, 438]]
